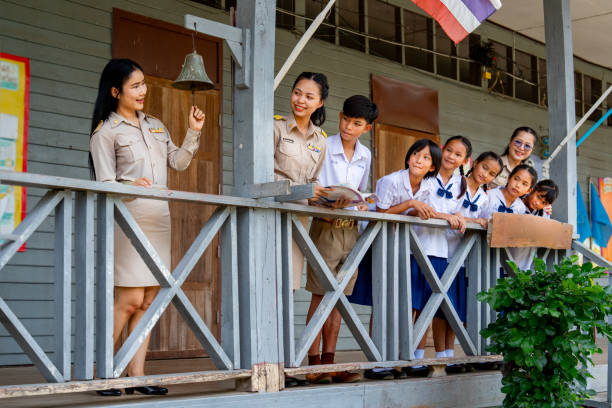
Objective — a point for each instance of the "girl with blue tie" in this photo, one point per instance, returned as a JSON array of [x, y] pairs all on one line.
[[508, 199], [472, 205], [445, 190]]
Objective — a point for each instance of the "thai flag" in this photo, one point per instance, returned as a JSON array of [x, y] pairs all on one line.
[[458, 18]]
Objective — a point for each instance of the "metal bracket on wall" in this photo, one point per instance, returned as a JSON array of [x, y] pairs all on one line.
[[237, 40]]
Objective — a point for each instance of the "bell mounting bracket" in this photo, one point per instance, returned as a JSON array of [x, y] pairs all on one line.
[[237, 40]]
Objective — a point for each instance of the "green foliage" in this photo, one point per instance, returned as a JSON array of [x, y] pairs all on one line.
[[545, 331]]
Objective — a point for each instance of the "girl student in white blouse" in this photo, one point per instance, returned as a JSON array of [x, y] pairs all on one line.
[[407, 192], [472, 205], [508, 199], [445, 190]]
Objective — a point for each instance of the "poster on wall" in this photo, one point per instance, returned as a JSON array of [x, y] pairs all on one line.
[[605, 194], [14, 110]]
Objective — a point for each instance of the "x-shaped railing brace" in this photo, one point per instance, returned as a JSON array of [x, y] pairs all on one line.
[[439, 287], [334, 286], [170, 287]]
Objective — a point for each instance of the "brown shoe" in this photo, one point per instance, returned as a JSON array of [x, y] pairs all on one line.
[[345, 377], [320, 378]]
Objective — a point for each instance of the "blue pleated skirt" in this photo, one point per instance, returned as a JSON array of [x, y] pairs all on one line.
[[421, 292], [362, 292]]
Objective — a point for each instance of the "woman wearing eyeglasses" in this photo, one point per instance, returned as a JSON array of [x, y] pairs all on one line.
[[522, 143]]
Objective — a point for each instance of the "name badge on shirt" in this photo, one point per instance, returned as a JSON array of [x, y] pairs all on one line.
[[313, 148], [156, 130], [287, 140]]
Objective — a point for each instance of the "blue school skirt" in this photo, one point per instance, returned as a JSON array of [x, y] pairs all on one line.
[[362, 292], [421, 292]]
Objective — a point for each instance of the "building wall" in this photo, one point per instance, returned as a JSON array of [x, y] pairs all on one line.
[[68, 43]]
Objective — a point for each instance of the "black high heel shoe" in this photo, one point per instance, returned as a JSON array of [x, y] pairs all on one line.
[[113, 392], [147, 390]]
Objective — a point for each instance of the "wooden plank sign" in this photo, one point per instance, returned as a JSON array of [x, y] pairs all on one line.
[[524, 230]]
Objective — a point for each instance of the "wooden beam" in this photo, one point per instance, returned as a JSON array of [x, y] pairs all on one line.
[[11, 391], [523, 230]]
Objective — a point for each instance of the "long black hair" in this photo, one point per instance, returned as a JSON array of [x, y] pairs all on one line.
[[318, 116], [518, 130], [434, 150], [484, 156], [468, 153], [114, 75]]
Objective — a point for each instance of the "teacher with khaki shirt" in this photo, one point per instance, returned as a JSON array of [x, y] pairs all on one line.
[[128, 146]]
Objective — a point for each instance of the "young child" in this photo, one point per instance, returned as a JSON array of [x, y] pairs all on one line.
[[538, 203], [508, 199], [472, 206], [543, 195], [445, 190], [347, 162], [299, 150]]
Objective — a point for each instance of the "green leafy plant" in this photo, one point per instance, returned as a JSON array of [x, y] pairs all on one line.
[[545, 331]]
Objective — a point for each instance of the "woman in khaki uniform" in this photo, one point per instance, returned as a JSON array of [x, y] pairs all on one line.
[[299, 150], [131, 147], [519, 149]]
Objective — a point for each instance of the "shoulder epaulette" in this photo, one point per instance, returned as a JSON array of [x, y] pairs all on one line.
[[278, 117], [98, 127], [323, 133], [151, 116]]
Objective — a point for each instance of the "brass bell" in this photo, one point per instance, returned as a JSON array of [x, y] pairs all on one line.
[[193, 76]]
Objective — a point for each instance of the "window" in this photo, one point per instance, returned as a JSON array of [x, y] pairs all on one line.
[[384, 22], [502, 64], [542, 83], [284, 20], [418, 31], [592, 92], [526, 69], [469, 72], [326, 30], [446, 66], [350, 16], [578, 91]]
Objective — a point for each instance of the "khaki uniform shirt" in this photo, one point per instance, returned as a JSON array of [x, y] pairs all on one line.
[[297, 158], [123, 153], [502, 178]]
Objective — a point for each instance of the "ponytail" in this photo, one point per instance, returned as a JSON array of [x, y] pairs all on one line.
[[463, 182]]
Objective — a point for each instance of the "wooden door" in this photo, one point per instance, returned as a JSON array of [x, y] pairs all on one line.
[[171, 337], [391, 144]]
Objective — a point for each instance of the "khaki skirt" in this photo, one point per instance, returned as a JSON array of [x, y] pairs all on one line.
[[153, 217]]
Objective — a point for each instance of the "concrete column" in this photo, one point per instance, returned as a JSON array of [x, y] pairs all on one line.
[[259, 278], [561, 108]]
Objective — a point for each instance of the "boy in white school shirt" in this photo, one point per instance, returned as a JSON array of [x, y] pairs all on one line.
[[346, 162]]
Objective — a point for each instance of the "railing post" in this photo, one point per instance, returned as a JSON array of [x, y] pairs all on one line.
[[63, 284], [230, 326], [473, 267], [485, 282], [379, 291], [406, 351], [104, 286], [392, 292], [84, 257]]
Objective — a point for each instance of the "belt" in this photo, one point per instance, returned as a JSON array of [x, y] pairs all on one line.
[[340, 223]]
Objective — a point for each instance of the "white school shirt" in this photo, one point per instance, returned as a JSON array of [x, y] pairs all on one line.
[[434, 240], [523, 257], [395, 188], [496, 198], [338, 170], [481, 200]]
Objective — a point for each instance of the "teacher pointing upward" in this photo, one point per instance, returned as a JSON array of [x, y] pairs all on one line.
[[131, 147]]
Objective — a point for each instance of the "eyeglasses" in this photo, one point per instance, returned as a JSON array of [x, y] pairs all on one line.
[[522, 145]]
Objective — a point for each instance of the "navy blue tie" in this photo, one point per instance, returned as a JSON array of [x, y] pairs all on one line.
[[471, 204], [442, 192], [502, 208]]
